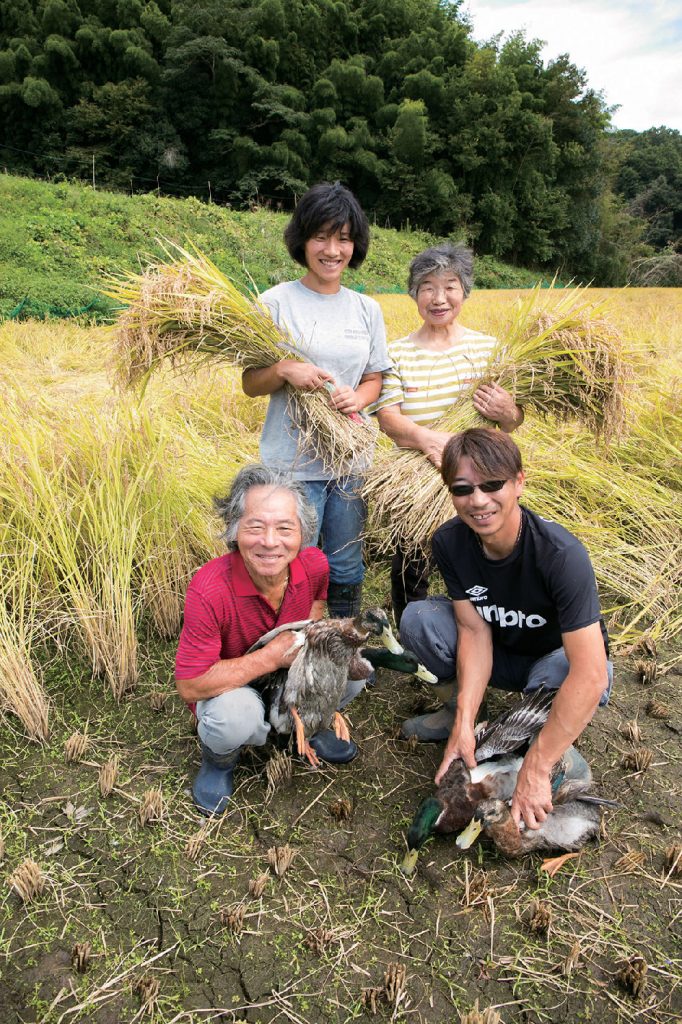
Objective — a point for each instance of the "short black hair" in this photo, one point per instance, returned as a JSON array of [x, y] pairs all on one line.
[[493, 454], [332, 206]]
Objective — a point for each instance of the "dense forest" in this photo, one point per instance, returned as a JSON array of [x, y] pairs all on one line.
[[251, 101]]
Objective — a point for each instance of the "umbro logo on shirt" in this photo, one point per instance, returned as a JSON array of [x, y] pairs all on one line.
[[477, 593]]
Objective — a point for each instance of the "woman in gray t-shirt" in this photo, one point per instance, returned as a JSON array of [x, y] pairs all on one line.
[[343, 334]]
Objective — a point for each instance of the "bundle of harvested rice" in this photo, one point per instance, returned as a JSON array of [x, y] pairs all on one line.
[[185, 309], [565, 359]]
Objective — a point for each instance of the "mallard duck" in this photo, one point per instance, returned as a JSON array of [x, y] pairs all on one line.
[[574, 820], [307, 695], [500, 747], [403, 661]]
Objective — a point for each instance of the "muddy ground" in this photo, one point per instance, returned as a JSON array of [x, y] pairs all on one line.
[[168, 929]]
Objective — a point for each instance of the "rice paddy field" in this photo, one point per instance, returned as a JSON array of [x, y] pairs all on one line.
[[120, 904]]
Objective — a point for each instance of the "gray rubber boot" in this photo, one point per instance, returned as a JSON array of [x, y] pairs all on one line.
[[436, 725], [430, 728], [344, 600], [214, 783]]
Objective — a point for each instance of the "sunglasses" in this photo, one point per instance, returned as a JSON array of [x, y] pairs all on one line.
[[488, 487]]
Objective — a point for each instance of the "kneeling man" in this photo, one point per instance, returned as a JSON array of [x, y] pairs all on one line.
[[523, 612], [269, 577]]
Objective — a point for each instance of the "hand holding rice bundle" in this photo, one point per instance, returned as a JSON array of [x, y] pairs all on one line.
[[186, 311]]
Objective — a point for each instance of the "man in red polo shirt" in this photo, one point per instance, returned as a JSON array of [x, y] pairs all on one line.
[[270, 576]]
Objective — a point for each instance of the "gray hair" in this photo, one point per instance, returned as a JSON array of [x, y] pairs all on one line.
[[231, 507], [445, 258]]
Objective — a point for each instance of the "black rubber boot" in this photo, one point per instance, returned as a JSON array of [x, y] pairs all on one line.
[[214, 783], [331, 749], [344, 600]]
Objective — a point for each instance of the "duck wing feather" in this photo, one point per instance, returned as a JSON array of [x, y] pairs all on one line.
[[516, 727], [295, 627]]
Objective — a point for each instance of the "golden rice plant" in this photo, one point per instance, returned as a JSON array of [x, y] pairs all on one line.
[[186, 310], [178, 531], [565, 359], [21, 691], [71, 515], [116, 500]]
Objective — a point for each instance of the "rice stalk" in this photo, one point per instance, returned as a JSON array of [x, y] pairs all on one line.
[[177, 531], [58, 507], [81, 955], [564, 359], [27, 880], [76, 747], [153, 808], [108, 776], [280, 858], [21, 692], [186, 311]]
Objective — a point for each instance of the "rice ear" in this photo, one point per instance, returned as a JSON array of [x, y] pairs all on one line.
[[186, 311]]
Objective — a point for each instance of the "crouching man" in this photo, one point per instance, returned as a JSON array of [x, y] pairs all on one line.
[[523, 611], [270, 576]]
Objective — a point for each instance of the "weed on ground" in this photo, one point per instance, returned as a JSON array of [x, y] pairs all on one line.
[[166, 915]]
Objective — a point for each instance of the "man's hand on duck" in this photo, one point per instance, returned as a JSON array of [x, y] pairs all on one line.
[[532, 800], [462, 745], [283, 648]]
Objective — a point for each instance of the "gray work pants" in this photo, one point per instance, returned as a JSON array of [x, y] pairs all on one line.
[[238, 717], [428, 629]]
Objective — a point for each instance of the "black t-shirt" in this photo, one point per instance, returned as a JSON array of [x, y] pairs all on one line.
[[544, 588]]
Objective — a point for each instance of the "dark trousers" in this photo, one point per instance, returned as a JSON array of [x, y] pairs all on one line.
[[410, 571]]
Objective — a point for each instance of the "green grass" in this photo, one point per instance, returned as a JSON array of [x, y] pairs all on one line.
[[57, 241]]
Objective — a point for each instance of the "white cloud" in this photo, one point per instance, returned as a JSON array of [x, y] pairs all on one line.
[[629, 50]]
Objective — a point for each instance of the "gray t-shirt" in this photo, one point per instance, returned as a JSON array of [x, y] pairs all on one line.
[[342, 333]]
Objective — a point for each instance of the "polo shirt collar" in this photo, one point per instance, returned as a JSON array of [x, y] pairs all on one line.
[[244, 586]]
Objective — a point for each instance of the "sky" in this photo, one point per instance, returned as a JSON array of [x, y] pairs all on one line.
[[631, 50]]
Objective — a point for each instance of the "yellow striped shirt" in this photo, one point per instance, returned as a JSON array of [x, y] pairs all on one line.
[[426, 383]]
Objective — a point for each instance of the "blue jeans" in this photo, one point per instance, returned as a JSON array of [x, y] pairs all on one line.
[[341, 515], [428, 629]]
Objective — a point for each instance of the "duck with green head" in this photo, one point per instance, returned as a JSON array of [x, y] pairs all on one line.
[[500, 748]]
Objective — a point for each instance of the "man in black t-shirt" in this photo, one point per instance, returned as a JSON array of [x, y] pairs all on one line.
[[523, 611]]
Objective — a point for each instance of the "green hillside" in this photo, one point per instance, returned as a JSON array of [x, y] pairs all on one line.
[[58, 242]]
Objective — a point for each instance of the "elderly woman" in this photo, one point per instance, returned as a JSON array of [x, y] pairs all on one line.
[[271, 575], [431, 367]]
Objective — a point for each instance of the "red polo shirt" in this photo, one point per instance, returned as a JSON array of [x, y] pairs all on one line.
[[225, 614]]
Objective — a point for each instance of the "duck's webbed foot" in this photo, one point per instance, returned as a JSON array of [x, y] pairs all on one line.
[[310, 755], [302, 745], [341, 727]]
